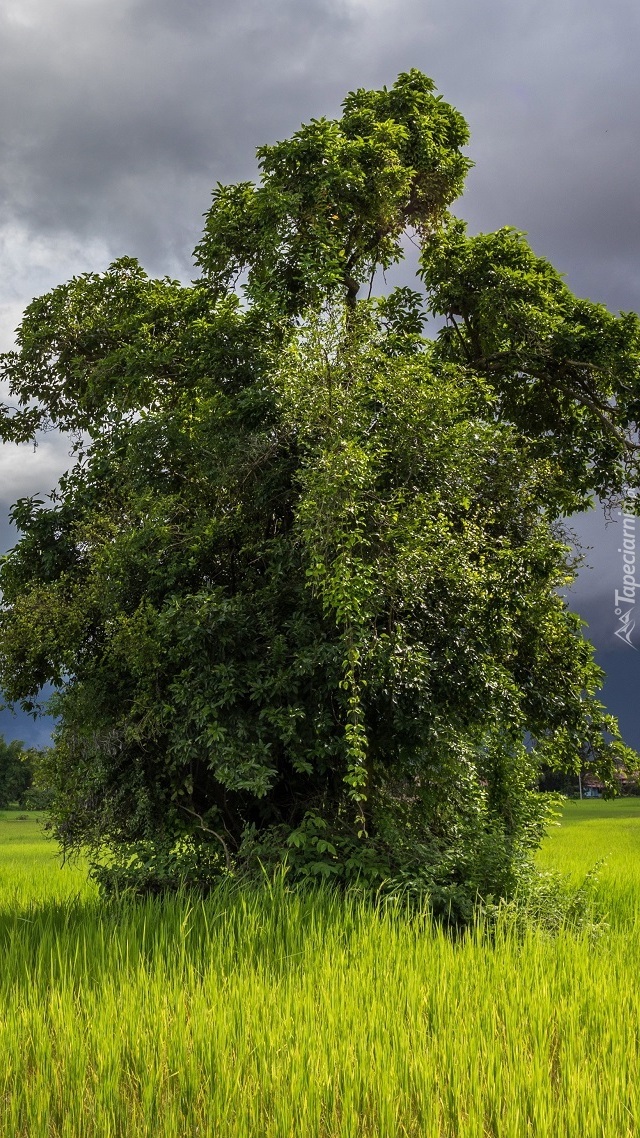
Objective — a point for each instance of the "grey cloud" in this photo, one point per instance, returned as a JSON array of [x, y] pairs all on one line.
[[117, 118], [554, 138], [620, 691], [120, 117], [35, 733]]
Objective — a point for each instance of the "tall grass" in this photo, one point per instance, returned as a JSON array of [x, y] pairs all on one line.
[[30, 866], [267, 1014], [603, 838]]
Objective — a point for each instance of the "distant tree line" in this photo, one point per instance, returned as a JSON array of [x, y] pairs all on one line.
[[574, 784], [17, 775]]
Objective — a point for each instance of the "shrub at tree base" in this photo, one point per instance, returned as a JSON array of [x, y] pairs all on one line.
[[299, 593]]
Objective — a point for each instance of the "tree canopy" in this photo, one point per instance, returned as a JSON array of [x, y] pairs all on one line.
[[300, 592]]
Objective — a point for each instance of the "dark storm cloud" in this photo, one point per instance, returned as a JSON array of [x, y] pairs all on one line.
[[118, 116], [552, 95]]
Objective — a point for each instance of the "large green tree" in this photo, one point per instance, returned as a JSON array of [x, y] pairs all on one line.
[[300, 592]]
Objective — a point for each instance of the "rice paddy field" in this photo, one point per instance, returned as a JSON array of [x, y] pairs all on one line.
[[268, 1015]]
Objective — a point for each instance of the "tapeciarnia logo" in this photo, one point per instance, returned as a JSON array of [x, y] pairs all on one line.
[[625, 600]]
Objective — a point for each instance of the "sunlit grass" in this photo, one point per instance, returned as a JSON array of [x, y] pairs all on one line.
[[262, 1014], [601, 836], [30, 864]]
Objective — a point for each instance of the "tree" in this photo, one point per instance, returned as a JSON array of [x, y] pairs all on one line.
[[16, 772], [299, 593]]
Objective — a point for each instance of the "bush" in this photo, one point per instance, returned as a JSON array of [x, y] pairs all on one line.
[[152, 869]]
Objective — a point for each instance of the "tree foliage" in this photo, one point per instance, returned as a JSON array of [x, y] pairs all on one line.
[[16, 772], [300, 593]]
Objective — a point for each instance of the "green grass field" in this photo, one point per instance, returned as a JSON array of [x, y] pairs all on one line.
[[263, 1016], [605, 837]]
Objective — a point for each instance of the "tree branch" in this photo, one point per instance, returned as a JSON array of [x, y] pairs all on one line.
[[214, 833]]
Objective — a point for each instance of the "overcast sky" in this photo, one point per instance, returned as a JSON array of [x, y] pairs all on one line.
[[117, 117]]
